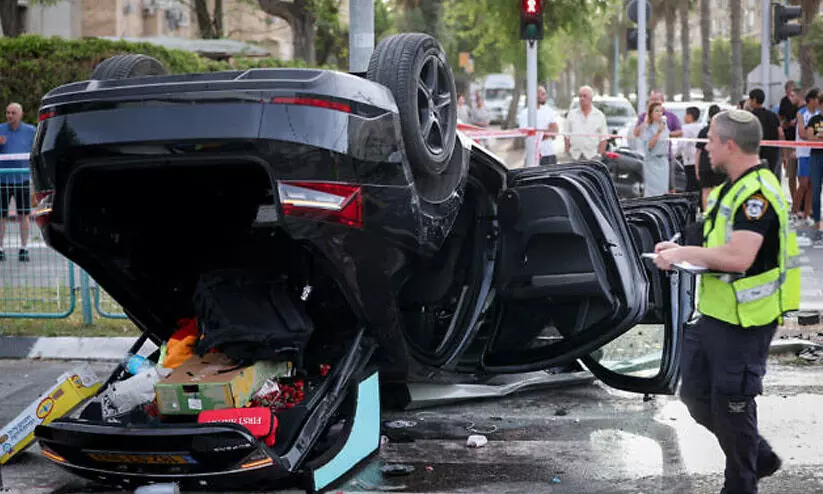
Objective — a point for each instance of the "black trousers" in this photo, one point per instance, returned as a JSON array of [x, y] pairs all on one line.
[[723, 368]]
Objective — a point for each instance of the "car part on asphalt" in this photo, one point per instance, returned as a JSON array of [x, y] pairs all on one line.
[[808, 318]]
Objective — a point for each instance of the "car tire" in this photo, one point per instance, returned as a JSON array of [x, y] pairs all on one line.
[[414, 68], [126, 66]]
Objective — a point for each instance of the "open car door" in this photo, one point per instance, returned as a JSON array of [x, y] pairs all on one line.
[[646, 358], [573, 282]]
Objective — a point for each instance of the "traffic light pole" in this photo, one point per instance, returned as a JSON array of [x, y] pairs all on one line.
[[641, 56], [765, 55], [531, 99]]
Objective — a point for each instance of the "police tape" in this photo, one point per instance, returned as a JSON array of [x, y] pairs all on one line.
[[476, 133]]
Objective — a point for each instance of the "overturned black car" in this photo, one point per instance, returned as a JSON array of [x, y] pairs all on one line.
[[335, 219]]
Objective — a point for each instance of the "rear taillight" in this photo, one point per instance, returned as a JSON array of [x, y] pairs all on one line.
[[334, 202], [44, 201], [317, 102], [46, 115], [611, 155]]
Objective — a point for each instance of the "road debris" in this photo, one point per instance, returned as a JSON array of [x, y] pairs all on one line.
[[474, 430], [401, 424], [561, 412], [396, 470], [476, 441], [811, 354]]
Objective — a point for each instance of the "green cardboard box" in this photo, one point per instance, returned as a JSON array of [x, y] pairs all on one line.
[[213, 382]]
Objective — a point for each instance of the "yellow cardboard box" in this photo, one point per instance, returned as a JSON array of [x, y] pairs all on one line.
[[71, 389]]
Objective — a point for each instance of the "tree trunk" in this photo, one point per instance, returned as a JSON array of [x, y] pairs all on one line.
[[204, 21], [810, 10], [511, 118], [9, 17], [685, 51], [304, 34], [671, 13], [705, 40], [736, 90], [218, 19], [298, 15], [652, 64]]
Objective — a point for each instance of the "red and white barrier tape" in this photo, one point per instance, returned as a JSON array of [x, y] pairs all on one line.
[[479, 132]]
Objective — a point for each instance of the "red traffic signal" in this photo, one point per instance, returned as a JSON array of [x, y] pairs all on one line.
[[531, 7], [531, 19]]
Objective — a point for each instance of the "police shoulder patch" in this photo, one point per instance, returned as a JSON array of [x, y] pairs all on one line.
[[755, 207]]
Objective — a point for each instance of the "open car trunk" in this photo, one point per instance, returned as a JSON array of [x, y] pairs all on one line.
[[315, 442], [183, 242]]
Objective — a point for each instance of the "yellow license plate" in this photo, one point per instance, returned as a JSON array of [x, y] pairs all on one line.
[[143, 459]]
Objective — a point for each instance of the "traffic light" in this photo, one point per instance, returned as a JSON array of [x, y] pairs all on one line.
[[531, 19], [632, 39], [782, 29]]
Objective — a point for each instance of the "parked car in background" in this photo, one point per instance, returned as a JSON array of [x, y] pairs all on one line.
[[498, 91]]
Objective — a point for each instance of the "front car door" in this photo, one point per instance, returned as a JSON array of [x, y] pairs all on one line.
[[572, 283]]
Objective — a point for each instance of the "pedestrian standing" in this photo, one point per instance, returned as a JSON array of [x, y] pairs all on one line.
[[686, 149], [802, 201], [746, 231], [463, 109], [672, 121], [787, 112], [546, 120], [814, 133], [706, 176], [654, 138], [480, 114], [772, 131], [16, 137], [588, 128]]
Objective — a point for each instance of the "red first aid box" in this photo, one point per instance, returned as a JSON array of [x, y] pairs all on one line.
[[260, 421]]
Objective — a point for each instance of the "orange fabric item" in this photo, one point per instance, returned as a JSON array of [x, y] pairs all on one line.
[[181, 344]]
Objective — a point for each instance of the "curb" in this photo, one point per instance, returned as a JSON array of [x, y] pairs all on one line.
[[69, 348]]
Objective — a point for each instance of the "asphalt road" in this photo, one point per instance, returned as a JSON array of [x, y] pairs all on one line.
[[582, 439]]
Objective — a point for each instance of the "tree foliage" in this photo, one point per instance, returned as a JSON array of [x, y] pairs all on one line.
[[32, 65]]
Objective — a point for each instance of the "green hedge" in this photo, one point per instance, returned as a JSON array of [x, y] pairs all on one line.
[[32, 65]]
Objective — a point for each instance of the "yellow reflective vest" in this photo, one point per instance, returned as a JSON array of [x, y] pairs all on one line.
[[750, 300]]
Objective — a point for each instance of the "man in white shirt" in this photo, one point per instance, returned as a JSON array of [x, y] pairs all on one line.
[[586, 120], [688, 150], [547, 121]]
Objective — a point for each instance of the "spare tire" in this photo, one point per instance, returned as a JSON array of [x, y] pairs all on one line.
[[127, 66], [414, 68]]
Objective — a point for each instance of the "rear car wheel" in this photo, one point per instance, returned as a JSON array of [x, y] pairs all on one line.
[[127, 66], [414, 68]]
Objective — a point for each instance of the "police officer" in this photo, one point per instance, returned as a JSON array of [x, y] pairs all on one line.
[[752, 281]]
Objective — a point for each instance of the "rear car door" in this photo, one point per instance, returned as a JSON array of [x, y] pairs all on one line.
[[571, 278]]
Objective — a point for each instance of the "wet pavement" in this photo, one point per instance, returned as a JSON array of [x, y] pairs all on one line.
[[582, 439]]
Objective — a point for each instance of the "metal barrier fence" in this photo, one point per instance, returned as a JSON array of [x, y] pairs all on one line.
[[38, 282]]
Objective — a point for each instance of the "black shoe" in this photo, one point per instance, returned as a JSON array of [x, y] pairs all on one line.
[[2, 256], [769, 468], [23, 255]]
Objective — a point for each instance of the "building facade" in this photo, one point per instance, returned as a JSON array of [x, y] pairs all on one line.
[[242, 21]]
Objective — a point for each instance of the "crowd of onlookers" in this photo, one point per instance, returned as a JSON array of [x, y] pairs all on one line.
[[798, 118]]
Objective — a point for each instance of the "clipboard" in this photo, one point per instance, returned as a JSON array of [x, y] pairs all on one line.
[[689, 267]]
